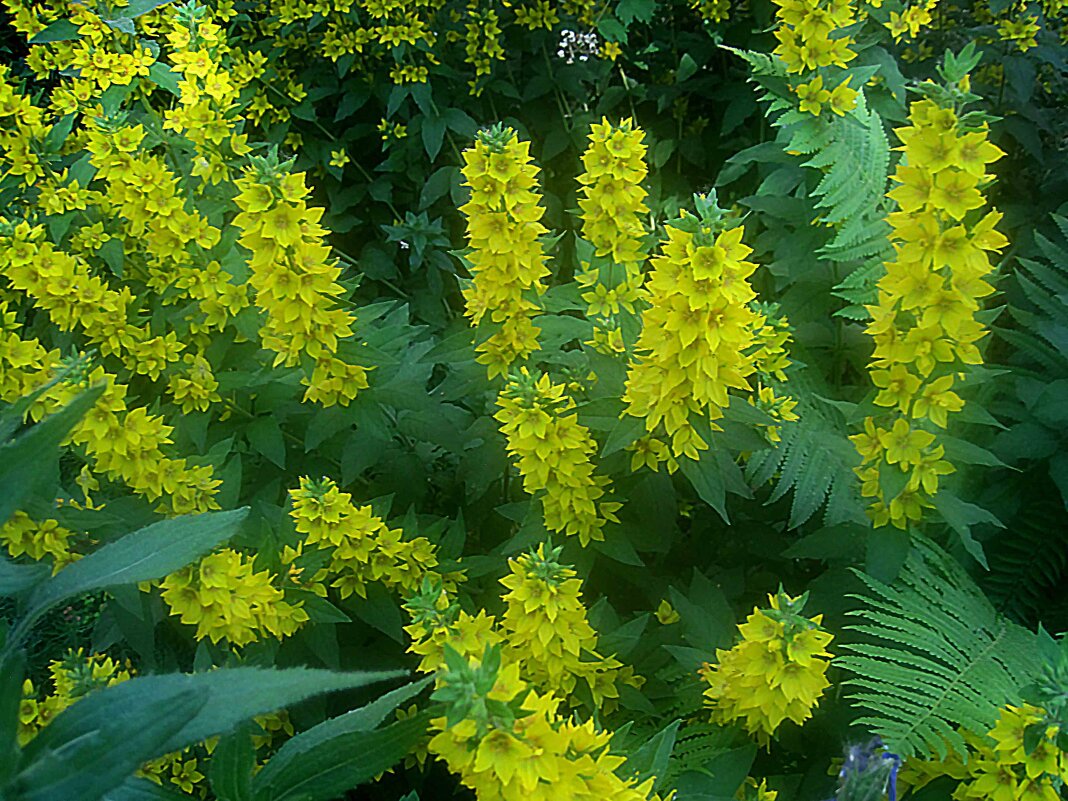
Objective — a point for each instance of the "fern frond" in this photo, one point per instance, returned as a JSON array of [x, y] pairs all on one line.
[[696, 745], [936, 656], [811, 460]]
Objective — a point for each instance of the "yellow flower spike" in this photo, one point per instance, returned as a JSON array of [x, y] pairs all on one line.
[[924, 324], [362, 548], [506, 256], [698, 336], [553, 452], [775, 672]]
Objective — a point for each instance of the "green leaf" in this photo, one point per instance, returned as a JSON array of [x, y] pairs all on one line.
[[961, 516], [232, 761], [165, 78], [662, 152], [934, 656], [625, 432], [60, 31], [138, 789], [437, 185], [629, 11], [433, 133], [150, 553], [138, 7], [86, 762], [651, 759], [16, 578], [93, 745], [27, 461], [113, 255], [265, 437], [329, 768], [707, 482], [12, 672], [460, 122], [687, 67]]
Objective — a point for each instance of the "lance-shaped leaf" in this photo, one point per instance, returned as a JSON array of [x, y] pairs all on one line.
[[151, 553], [26, 460], [95, 744]]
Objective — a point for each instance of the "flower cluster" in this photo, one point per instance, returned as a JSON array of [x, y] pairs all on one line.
[[207, 114], [553, 453], [1002, 765], [121, 443], [547, 633], [540, 756], [699, 336], [712, 10], [777, 670], [612, 207], [295, 280], [24, 535], [907, 24], [810, 35], [814, 47], [506, 257], [503, 736], [73, 676], [226, 598], [360, 547], [924, 324]]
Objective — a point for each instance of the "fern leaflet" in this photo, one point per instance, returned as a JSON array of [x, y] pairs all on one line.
[[936, 656]]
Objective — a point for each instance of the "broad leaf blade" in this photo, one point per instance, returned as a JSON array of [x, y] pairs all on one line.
[[24, 461], [231, 695], [334, 766], [101, 757], [232, 761], [16, 578], [12, 671], [151, 553]]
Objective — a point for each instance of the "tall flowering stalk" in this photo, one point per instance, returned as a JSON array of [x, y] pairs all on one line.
[[506, 257], [701, 336], [225, 597], [548, 634], [553, 452], [504, 733], [295, 280], [812, 44], [612, 207], [359, 547], [120, 443], [924, 323]]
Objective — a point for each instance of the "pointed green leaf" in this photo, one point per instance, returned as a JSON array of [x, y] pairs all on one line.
[[151, 553], [25, 462]]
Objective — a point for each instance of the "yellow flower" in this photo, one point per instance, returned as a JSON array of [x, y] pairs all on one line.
[[339, 158]]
